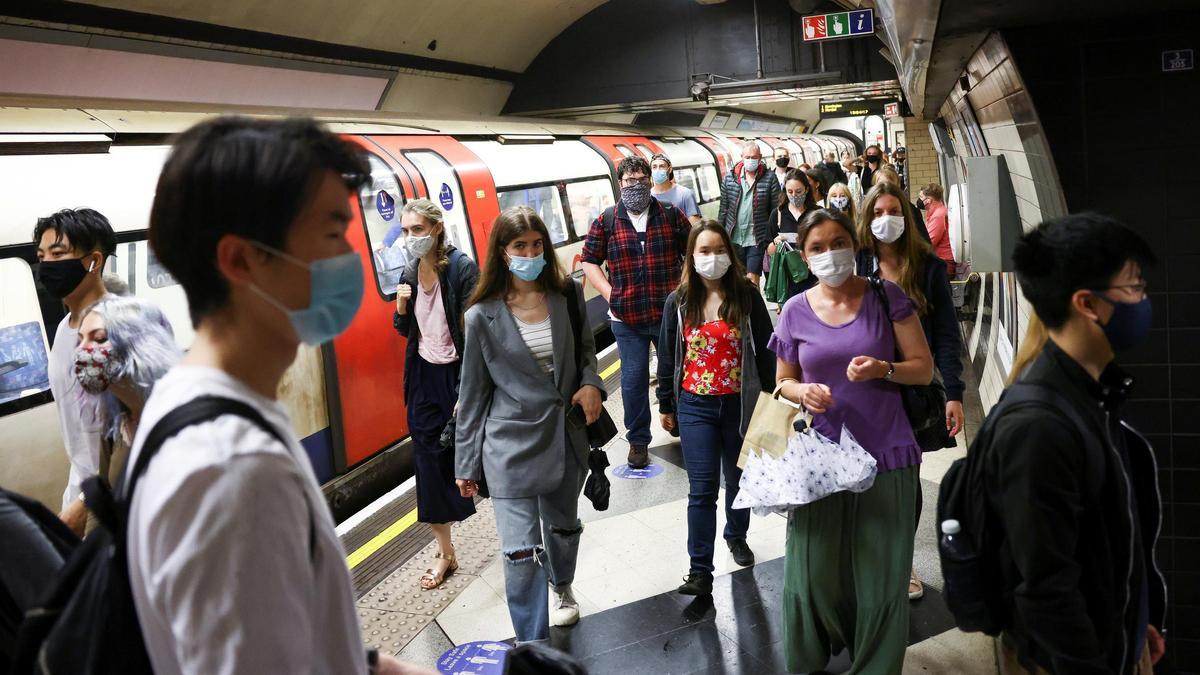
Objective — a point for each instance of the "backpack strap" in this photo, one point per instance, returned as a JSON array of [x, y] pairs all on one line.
[[1028, 393], [197, 411], [576, 325]]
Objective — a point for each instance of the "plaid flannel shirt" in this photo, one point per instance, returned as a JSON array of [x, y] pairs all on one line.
[[641, 280]]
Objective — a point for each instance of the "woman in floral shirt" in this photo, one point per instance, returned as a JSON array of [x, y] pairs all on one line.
[[713, 362]]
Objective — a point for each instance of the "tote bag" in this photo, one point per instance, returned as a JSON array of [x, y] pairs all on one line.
[[772, 424]]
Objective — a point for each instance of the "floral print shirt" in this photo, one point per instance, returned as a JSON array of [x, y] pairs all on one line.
[[712, 362]]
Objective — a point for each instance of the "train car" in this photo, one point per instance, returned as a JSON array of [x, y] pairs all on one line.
[[343, 397]]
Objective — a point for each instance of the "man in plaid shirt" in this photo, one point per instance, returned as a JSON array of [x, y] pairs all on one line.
[[643, 241]]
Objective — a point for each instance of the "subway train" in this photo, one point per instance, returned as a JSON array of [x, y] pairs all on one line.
[[344, 397]]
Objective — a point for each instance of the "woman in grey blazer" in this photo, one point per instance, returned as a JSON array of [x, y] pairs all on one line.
[[519, 381]]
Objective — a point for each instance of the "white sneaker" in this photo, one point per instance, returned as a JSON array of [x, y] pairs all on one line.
[[564, 610]]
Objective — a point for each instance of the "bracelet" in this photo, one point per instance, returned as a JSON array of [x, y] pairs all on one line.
[[891, 371]]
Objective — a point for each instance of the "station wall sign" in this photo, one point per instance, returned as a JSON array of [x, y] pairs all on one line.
[[836, 25], [871, 106], [1178, 59], [891, 110]]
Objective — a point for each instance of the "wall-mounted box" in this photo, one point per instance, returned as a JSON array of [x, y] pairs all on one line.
[[995, 222]]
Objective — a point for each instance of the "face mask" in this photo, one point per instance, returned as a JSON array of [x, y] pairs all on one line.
[[636, 197], [711, 267], [796, 200], [920, 204], [418, 246], [751, 165], [873, 159], [95, 367], [62, 277], [887, 228], [839, 203], [659, 177], [783, 162], [832, 268], [526, 269], [1129, 323], [335, 292]]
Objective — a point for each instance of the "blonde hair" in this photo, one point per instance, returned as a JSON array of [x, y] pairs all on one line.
[[1032, 345], [851, 207], [433, 215], [885, 173]]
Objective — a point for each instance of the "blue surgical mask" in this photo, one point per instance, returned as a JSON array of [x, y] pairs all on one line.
[[751, 165], [1129, 323], [526, 269], [335, 292], [660, 176]]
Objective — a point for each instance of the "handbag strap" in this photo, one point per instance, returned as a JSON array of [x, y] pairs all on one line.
[[576, 327]]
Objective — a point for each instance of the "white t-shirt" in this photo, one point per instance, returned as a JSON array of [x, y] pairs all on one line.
[[78, 413], [220, 563]]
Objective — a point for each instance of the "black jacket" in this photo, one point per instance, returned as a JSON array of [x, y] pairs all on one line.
[[766, 197], [457, 282], [940, 323], [1080, 518]]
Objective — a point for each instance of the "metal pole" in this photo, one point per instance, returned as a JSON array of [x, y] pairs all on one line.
[[758, 42]]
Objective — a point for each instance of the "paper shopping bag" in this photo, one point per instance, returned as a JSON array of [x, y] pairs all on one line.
[[770, 427]]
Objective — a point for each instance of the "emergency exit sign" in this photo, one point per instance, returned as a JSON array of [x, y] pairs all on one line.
[[839, 25]]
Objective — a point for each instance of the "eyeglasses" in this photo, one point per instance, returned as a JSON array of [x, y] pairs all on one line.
[[630, 182], [1138, 289]]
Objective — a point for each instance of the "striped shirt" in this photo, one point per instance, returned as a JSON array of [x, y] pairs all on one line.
[[538, 338]]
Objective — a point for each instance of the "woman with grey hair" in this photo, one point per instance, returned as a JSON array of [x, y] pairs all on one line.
[[125, 345]]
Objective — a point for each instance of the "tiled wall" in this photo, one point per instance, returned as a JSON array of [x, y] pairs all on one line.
[[922, 158], [1087, 120]]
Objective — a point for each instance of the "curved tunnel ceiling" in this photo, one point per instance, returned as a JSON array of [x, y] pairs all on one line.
[[503, 34]]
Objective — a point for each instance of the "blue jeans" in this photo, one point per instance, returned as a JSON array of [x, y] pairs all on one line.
[[710, 433], [524, 523], [633, 346]]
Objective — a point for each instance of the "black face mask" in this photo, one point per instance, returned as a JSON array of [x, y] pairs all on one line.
[[920, 205], [61, 277], [874, 159], [782, 162]]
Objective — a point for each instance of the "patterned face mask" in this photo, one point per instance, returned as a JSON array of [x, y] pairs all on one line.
[[95, 367]]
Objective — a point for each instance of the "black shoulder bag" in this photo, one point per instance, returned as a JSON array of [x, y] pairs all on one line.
[[925, 404]]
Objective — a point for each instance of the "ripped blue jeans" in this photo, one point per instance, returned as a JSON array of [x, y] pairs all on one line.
[[539, 539]]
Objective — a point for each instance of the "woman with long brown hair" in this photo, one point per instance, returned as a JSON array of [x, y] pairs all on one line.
[[713, 362], [893, 249], [526, 400]]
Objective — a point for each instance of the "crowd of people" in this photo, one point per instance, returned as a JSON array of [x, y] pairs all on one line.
[[250, 217]]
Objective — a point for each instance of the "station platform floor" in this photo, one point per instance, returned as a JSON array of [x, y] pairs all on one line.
[[631, 558]]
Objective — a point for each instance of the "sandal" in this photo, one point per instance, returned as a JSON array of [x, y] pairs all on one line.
[[916, 590], [430, 580]]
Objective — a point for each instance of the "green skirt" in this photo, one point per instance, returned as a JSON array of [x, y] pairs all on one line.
[[846, 576]]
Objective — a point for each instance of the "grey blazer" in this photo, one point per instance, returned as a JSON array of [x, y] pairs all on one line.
[[512, 424]]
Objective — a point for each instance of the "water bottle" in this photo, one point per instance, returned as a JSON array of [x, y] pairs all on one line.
[[965, 592], [954, 545]]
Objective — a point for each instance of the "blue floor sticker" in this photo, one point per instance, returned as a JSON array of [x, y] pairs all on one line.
[[629, 473], [474, 657]]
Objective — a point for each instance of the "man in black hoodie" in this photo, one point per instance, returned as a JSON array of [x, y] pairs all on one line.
[[1079, 506]]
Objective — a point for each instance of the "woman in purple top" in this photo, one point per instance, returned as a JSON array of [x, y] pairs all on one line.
[[848, 555]]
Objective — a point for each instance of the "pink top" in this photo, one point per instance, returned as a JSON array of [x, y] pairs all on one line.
[[939, 232], [436, 345]]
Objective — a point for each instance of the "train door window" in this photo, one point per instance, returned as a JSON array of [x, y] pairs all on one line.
[[646, 151], [624, 150], [687, 178], [710, 185], [381, 199], [24, 349], [445, 191], [545, 201], [144, 276], [587, 200]]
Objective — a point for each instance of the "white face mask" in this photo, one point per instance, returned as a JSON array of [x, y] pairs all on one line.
[[711, 267], [839, 202], [834, 267], [418, 246], [888, 228]]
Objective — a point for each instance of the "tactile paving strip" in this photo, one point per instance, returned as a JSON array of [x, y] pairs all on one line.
[[393, 612]]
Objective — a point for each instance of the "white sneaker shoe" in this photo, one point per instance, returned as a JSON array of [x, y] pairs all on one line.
[[564, 609]]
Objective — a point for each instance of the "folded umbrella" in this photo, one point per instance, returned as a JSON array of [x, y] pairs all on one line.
[[597, 487]]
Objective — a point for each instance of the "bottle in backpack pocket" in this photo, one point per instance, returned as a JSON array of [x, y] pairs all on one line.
[[965, 592]]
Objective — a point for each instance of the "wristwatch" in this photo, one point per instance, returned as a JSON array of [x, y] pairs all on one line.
[[891, 371]]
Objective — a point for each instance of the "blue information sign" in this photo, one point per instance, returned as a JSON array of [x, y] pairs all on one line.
[[446, 197], [1178, 59], [862, 22], [23, 361], [385, 205], [629, 473], [474, 657]]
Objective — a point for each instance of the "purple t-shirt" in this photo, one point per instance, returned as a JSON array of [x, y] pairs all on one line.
[[873, 410]]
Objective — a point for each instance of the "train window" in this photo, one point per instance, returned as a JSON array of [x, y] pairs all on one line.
[[710, 185], [381, 199], [543, 199], [24, 354], [587, 200], [445, 191], [646, 151], [136, 265], [624, 150], [687, 178]]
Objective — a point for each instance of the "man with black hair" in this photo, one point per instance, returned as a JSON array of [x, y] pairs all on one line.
[[72, 247], [1078, 503], [234, 563], [642, 240]]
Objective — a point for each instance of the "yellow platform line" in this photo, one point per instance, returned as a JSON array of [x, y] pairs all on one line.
[[380, 540], [611, 369]]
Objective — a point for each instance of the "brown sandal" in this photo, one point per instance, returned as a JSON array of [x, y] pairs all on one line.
[[436, 580]]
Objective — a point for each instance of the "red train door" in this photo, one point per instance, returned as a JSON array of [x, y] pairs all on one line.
[[724, 159]]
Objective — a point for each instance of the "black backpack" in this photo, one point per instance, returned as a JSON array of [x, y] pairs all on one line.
[[88, 624], [974, 583]]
